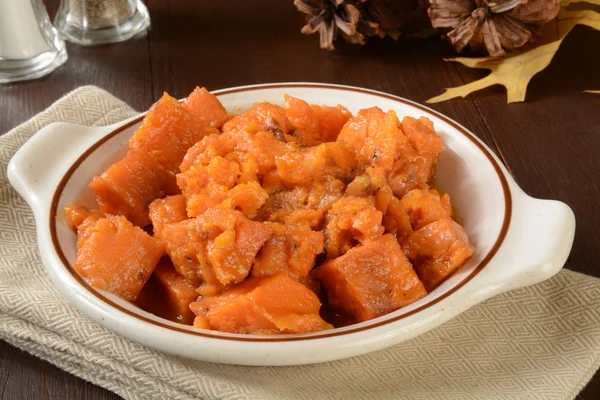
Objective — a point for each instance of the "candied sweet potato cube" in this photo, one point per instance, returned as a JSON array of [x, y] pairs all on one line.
[[437, 250], [167, 132], [262, 117], [340, 160], [371, 280], [207, 149], [215, 185], [246, 197], [396, 221], [373, 136], [413, 172], [312, 283], [76, 213], [416, 169], [359, 215], [282, 296], [179, 292], [270, 305], [184, 241], [315, 124], [423, 138], [324, 192], [425, 206], [337, 241], [219, 246], [116, 256], [130, 185], [302, 218], [206, 107], [219, 170], [288, 251], [206, 186], [204, 198], [249, 168], [167, 211], [232, 252], [300, 167], [351, 220], [263, 146]]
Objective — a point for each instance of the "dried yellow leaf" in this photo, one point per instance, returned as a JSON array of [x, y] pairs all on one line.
[[515, 71]]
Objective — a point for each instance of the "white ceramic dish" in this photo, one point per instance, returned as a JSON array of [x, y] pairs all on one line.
[[519, 240]]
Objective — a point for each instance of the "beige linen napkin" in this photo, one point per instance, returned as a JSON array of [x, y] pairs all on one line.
[[540, 342]]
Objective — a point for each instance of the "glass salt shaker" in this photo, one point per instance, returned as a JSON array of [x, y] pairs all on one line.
[[29, 45], [91, 22]]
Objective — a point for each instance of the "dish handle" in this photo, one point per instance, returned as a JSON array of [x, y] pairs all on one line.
[[38, 166], [536, 247]]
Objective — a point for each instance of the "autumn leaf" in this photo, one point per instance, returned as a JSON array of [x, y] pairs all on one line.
[[515, 71]]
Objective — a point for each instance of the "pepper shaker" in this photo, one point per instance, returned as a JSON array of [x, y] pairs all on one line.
[[29, 45], [91, 22]]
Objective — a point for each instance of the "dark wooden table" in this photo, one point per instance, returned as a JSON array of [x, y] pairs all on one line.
[[551, 144]]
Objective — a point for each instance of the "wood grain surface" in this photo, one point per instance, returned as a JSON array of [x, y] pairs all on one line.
[[551, 143]]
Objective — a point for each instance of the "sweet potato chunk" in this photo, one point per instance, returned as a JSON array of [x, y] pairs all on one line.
[[263, 117], [167, 211], [116, 256], [249, 168], [129, 186], [395, 220], [300, 167], [246, 197], [288, 251], [373, 135], [263, 146], [303, 218], [206, 107], [371, 280], [350, 221], [185, 240], [179, 292], [232, 252], [167, 132], [271, 305], [202, 199], [322, 193], [423, 138], [76, 213], [373, 184], [359, 215], [417, 168], [413, 172], [219, 170], [437, 250], [315, 124], [425, 206], [219, 246], [215, 185], [206, 150]]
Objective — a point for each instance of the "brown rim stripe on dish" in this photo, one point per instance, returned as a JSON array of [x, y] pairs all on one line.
[[309, 336]]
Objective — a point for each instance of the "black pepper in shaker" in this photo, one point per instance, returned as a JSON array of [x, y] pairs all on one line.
[[90, 22]]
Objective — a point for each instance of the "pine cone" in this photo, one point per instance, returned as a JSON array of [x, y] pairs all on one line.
[[496, 25], [391, 15], [333, 17]]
